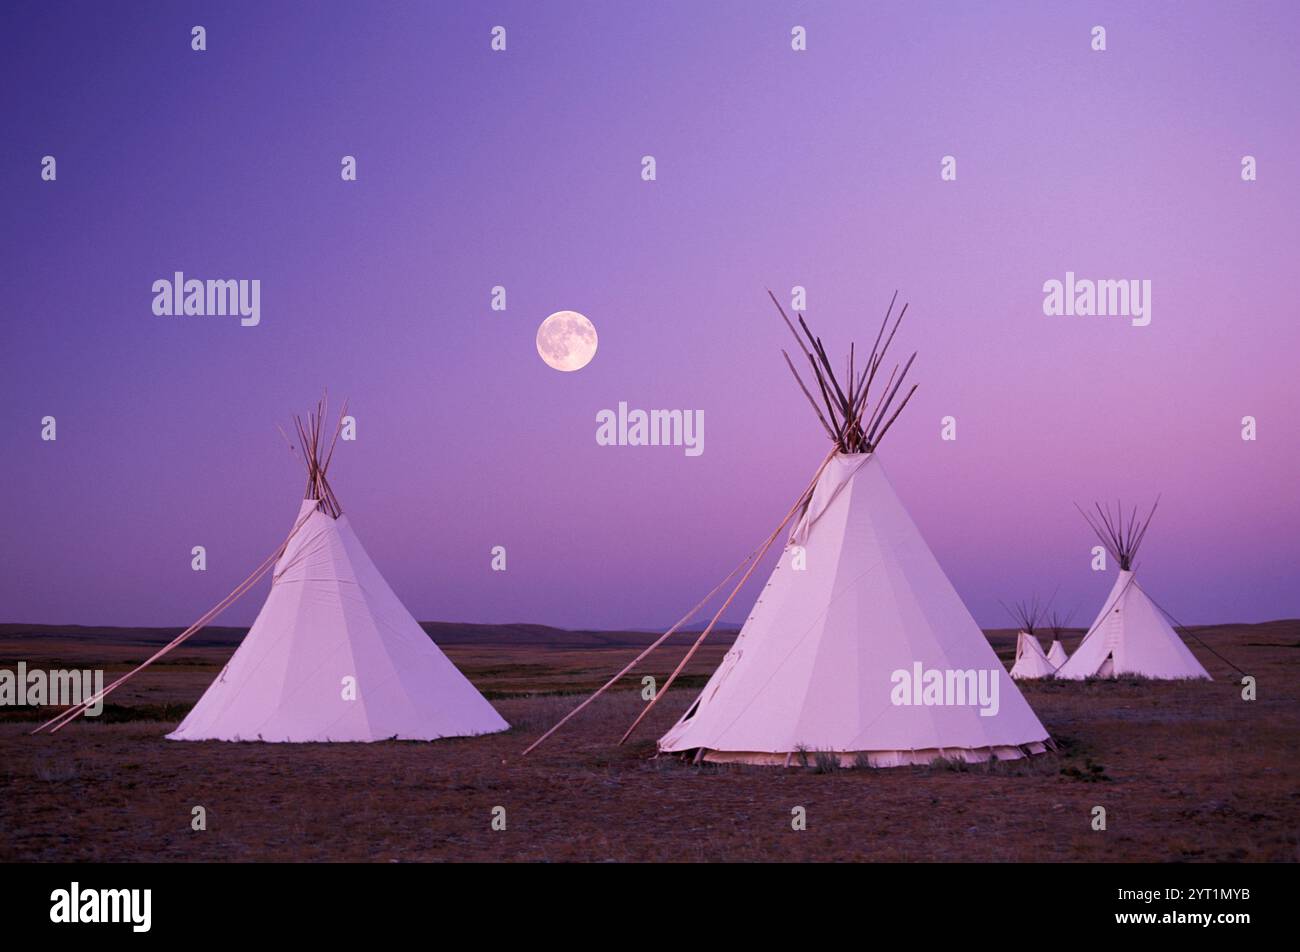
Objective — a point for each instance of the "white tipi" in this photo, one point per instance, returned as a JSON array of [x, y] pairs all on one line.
[[1130, 634], [333, 654], [831, 650], [1030, 661]]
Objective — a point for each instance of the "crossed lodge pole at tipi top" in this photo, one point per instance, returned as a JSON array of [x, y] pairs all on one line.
[[318, 488], [1026, 614], [850, 429]]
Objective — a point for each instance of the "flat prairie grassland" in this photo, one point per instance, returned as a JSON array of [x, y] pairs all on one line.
[[1185, 771]]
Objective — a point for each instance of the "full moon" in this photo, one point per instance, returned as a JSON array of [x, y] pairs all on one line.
[[566, 341]]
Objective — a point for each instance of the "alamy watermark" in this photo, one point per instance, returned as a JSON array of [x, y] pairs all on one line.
[[220, 297], [946, 687], [56, 688], [626, 427], [1102, 298]]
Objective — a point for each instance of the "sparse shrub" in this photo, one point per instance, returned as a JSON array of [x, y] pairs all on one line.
[[951, 764], [1065, 743], [1091, 772], [1037, 765], [125, 713], [826, 761], [56, 769]]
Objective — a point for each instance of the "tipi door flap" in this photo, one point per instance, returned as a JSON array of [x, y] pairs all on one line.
[[1114, 623]]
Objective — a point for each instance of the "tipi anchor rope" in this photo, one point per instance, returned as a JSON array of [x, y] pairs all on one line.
[[1188, 631], [755, 557], [643, 655]]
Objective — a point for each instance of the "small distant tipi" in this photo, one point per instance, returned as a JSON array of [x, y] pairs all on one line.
[[1056, 653], [1030, 661], [1130, 635]]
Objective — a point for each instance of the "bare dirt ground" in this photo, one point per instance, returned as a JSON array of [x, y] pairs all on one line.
[[1185, 771]]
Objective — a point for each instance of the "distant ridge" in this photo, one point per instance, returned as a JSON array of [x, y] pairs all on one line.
[[442, 632], [458, 633], [468, 633]]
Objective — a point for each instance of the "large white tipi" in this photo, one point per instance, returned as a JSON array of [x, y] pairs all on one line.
[[1130, 634], [334, 655], [858, 648], [817, 665]]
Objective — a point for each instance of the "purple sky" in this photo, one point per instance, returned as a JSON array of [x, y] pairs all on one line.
[[522, 168]]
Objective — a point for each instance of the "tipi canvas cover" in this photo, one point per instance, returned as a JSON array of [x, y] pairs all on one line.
[[1131, 636], [330, 622], [1030, 660], [816, 666]]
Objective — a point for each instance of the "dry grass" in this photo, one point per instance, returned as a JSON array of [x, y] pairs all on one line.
[[1185, 771]]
